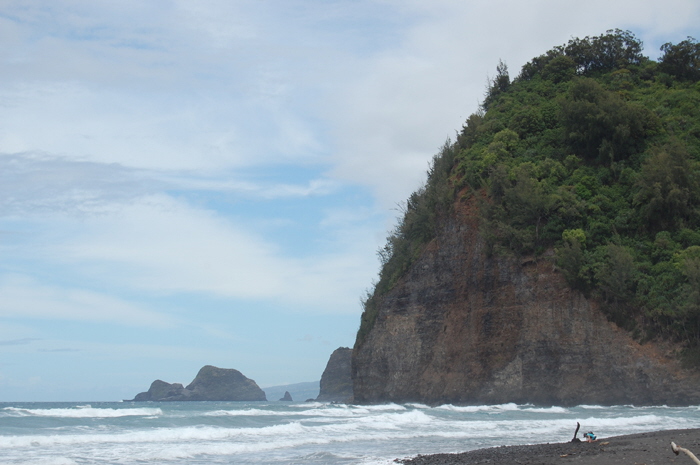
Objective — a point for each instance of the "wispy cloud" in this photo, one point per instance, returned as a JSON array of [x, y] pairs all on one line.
[[34, 183], [18, 342], [60, 350], [24, 297], [161, 245]]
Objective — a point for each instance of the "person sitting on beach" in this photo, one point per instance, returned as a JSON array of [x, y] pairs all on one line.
[[590, 437]]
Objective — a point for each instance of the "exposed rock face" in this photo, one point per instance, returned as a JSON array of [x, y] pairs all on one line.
[[462, 327], [211, 383], [336, 381], [287, 397]]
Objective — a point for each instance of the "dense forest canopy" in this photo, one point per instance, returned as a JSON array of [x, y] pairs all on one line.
[[592, 151]]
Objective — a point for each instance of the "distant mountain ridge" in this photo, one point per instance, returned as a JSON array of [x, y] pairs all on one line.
[[300, 392]]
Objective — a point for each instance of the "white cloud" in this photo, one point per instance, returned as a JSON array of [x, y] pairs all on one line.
[[36, 184], [400, 104], [24, 297], [150, 88], [377, 85], [160, 245], [108, 126]]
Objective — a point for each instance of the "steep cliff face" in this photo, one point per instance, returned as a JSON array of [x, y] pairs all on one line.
[[461, 327], [336, 381]]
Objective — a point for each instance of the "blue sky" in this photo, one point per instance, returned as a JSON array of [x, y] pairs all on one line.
[[185, 183]]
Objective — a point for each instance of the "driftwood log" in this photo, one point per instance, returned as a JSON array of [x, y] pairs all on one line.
[[575, 439], [677, 449]]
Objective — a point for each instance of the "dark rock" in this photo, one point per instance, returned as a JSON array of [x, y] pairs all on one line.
[[336, 381], [221, 384], [160, 390], [287, 397], [211, 383], [463, 326]]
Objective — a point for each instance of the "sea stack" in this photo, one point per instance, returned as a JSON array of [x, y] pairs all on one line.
[[336, 381], [211, 383]]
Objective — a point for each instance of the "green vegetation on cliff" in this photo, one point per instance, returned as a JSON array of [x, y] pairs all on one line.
[[593, 151]]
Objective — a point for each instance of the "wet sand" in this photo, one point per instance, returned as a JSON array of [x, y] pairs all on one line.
[[637, 449]]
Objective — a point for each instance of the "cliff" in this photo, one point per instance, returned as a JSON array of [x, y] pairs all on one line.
[[211, 383], [464, 327], [336, 381]]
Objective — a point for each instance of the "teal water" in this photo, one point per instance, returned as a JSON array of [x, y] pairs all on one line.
[[294, 433]]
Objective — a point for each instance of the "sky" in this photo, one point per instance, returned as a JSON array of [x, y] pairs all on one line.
[[190, 183]]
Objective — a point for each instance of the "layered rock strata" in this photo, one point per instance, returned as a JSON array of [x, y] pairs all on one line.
[[464, 327]]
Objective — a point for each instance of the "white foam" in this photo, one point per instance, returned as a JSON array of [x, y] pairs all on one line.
[[327, 410], [49, 461], [382, 407], [251, 412], [84, 412], [480, 408], [557, 410], [420, 406], [308, 405], [622, 422]]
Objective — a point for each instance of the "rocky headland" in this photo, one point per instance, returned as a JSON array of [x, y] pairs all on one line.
[[464, 326], [211, 383]]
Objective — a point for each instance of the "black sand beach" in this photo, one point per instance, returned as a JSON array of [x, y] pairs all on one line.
[[636, 449]]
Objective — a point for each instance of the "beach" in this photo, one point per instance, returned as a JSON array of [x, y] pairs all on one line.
[[636, 449]]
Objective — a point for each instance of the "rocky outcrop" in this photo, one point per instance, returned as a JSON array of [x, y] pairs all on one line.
[[211, 383], [336, 381], [160, 390], [287, 397], [464, 327]]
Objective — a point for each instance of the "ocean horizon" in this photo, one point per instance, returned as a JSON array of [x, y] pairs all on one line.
[[177, 433]]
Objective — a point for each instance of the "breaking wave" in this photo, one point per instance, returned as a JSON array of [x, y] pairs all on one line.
[[83, 412]]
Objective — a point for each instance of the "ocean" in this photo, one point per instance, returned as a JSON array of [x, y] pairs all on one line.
[[178, 433]]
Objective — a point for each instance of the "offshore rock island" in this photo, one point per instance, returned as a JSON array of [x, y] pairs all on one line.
[[553, 255], [211, 383]]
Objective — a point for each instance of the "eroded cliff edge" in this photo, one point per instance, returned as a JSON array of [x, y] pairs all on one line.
[[464, 327]]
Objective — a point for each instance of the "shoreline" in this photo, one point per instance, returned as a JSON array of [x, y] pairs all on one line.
[[652, 448]]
